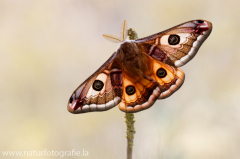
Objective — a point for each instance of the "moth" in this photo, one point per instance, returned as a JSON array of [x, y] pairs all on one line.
[[140, 71]]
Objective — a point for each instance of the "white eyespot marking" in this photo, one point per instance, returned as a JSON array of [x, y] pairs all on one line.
[[89, 93], [164, 40], [93, 93], [183, 40]]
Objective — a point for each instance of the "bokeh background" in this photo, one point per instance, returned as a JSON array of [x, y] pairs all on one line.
[[49, 47]]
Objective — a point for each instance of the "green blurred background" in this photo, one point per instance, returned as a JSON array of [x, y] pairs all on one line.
[[49, 47]]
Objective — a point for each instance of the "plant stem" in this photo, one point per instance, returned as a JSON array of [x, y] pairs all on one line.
[[130, 116], [130, 133]]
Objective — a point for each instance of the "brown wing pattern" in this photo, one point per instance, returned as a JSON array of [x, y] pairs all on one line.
[[178, 45], [100, 92]]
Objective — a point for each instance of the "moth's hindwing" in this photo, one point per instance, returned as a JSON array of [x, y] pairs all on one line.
[[169, 78], [138, 94]]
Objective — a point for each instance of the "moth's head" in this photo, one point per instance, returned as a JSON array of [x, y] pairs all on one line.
[[127, 50], [127, 46]]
